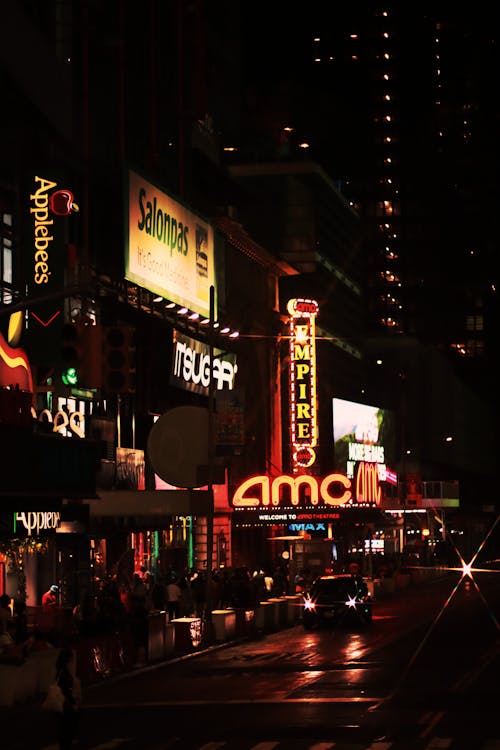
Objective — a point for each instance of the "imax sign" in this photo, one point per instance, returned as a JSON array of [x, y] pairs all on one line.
[[307, 527]]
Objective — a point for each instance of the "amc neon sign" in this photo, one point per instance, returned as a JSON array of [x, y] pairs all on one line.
[[334, 489], [303, 411]]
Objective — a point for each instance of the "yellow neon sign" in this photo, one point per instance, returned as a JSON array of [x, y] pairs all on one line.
[[270, 491], [303, 406]]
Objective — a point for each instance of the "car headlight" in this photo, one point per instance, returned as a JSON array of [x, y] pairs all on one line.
[[309, 605]]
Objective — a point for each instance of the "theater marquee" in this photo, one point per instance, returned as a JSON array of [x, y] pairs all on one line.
[[303, 407]]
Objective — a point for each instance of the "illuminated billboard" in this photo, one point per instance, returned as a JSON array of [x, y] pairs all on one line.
[[168, 248], [363, 435], [191, 366], [303, 406]]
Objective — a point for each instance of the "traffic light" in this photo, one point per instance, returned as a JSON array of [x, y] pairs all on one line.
[[72, 352], [118, 359], [81, 355]]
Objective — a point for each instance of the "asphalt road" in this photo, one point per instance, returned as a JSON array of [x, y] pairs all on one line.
[[423, 675]]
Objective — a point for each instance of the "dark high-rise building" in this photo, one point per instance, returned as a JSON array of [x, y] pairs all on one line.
[[400, 109]]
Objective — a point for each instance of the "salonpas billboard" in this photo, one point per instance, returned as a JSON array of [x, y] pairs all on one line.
[[168, 249]]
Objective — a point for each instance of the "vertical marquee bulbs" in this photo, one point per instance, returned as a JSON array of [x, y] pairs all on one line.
[[303, 405]]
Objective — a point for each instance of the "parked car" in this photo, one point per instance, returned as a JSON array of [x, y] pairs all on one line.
[[335, 600]]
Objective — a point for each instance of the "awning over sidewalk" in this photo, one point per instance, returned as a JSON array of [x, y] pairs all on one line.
[[149, 503]]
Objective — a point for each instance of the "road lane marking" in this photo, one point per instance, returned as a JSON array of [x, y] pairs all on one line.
[[379, 745], [322, 746], [265, 746]]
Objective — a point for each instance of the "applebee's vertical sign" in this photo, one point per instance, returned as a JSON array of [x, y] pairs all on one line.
[[303, 408], [45, 203], [52, 237]]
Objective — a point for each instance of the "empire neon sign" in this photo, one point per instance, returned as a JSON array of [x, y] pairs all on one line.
[[303, 406], [335, 489]]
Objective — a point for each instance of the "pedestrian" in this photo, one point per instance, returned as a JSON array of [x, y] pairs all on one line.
[[49, 599], [198, 589], [5, 613], [174, 595], [70, 686], [158, 595]]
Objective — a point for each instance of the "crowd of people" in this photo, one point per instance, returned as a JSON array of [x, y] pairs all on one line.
[[179, 594]]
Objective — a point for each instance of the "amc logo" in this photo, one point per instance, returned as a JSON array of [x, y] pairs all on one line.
[[334, 489]]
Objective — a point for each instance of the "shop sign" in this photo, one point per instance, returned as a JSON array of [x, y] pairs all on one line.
[[333, 490], [191, 366], [62, 421], [303, 411], [36, 522]]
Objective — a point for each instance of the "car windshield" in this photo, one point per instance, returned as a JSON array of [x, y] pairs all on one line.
[[338, 588]]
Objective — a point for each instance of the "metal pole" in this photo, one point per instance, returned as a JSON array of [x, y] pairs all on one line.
[[211, 449]]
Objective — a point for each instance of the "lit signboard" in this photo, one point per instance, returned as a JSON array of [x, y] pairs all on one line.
[[191, 366], [14, 367], [304, 490], [303, 408], [299, 518], [36, 522], [168, 248], [53, 217], [362, 435]]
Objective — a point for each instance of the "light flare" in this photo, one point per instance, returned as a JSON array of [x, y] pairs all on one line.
[[467, 570]]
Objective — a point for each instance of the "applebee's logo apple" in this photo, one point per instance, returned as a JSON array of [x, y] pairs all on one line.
[[15, 368], [62, 203]]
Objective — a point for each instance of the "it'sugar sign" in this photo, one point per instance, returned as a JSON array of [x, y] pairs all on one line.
[[303, 409]]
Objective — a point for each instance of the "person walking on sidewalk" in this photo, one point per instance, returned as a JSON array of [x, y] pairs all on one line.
[[174, 595]]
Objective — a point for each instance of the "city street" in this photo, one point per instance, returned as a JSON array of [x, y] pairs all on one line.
[[423, 675]]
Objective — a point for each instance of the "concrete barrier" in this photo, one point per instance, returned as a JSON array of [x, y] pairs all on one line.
[[264, 617], [187, 633], [224, 622], [281, 605], [156, 635], [29, 678], [169, 639], [294, 608]]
